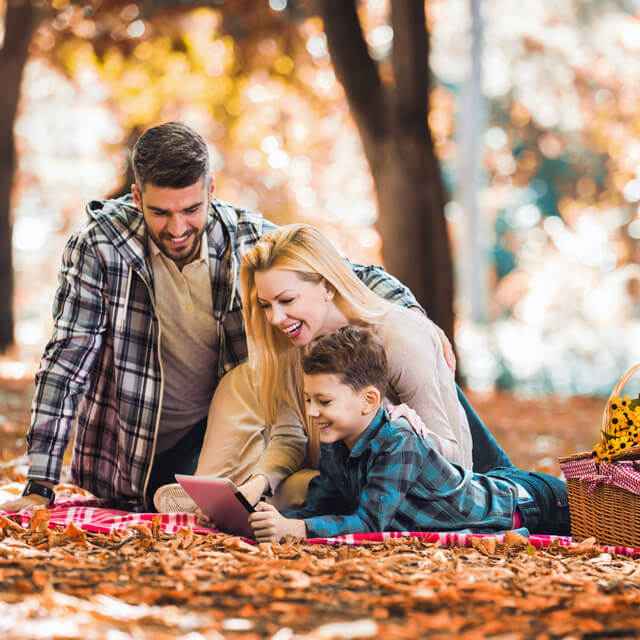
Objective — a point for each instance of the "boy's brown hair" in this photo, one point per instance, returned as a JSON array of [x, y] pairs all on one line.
[[354, 354]]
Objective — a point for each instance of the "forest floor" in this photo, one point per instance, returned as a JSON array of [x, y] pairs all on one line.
[[147, 584]]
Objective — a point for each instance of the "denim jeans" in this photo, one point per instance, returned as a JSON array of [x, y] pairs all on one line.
[[181, 458], [487, 453], [548, 510]]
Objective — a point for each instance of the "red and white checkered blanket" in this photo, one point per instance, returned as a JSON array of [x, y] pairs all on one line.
[[88, 514]]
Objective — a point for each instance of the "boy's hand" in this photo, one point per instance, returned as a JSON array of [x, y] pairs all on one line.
[[269, 526], [406, 412]]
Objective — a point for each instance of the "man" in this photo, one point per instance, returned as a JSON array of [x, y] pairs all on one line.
[[147, 319]]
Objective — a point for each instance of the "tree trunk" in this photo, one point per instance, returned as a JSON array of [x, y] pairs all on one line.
[[411, 221], [20, 22], [392, 122]]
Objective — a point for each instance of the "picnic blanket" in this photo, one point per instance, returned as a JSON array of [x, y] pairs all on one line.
[[92, 514]]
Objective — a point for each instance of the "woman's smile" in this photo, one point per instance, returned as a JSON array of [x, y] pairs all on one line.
[[292, 330]]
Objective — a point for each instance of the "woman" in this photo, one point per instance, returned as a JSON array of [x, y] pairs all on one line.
[[296, 287]]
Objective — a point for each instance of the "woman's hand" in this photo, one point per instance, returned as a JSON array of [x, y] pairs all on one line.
[[406, 412], [254, 488], [269, 526]]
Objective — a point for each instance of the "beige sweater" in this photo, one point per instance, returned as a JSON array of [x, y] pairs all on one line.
[[419, 377], [238, 443]]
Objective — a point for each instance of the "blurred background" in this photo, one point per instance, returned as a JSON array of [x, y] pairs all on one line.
[[487, 153]]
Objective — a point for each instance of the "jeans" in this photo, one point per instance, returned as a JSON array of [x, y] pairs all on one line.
[[548, 510], [181, 458], [487, 453]]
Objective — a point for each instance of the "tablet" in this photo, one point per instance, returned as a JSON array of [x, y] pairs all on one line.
[[221, 500]]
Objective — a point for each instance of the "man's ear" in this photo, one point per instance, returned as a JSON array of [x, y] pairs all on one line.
[[212, 186], [137, 199], [370, 399]]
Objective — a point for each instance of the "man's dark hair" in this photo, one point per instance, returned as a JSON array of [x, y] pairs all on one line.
[[354, 354], [170, 155]]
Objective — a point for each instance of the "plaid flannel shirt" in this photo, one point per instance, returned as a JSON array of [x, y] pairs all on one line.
[[102, 367], [393, 480]]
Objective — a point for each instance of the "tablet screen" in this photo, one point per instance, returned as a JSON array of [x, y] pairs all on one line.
[[220, 499]]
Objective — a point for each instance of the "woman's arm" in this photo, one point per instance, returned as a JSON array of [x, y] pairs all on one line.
[[240, 445], [285, 450]]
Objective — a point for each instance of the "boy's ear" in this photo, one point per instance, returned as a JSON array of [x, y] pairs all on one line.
[[370, 400]]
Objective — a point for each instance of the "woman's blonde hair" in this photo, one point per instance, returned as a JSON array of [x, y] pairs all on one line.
[[276, 363]]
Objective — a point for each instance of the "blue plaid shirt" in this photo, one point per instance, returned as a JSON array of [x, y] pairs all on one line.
[[393, 480]]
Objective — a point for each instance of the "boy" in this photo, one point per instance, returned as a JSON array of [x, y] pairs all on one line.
[[377, 475]]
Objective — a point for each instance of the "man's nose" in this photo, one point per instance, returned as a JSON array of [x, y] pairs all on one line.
[[176, 226], [312, 410]]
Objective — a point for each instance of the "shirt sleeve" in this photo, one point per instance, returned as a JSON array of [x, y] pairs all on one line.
[[385, 285], [388, 481], [80, 319], [285, 449], [323, 496]]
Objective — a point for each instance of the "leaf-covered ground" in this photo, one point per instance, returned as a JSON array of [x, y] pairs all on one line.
[[146, 584]]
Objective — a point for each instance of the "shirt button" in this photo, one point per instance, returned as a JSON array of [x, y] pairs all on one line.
[[189, 307]]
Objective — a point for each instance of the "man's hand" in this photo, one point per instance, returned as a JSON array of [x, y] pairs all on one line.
[[254, 488], [406, 412], [24, 503], [269, 526], [449, 355]]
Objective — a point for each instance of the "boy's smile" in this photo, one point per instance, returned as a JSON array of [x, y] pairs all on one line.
[[335, 409]]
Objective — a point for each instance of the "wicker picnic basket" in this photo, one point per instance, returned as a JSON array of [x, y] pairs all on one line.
[[604, 497]]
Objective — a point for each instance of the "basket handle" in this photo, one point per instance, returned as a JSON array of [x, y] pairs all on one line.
[[626, 376]]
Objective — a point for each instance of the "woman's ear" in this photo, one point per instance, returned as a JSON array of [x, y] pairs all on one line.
[[371, 399], [329, 290]]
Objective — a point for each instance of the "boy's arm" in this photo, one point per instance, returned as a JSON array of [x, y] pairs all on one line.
[[323, 496], [389, 480]]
